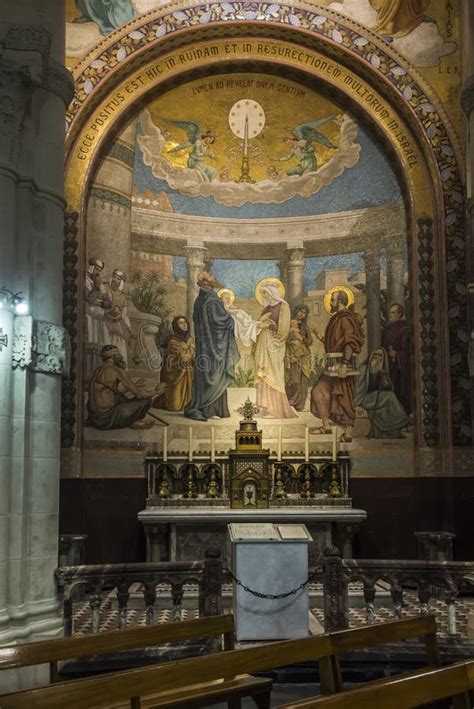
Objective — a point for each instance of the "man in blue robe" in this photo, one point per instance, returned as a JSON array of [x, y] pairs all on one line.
[[107, 14], [216, 353]]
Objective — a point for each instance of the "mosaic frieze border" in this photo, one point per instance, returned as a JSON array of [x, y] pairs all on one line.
[[342, 33]]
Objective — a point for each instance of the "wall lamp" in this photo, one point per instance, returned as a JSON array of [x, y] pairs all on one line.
[[13, 301]]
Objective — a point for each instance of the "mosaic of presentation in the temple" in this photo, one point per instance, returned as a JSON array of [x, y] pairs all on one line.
[[256, 250]]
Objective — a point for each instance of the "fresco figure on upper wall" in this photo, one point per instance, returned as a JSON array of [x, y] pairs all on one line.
[[216, 353], [274, 325], [107, 14], [109, 405], [116, 318], [298, 358], [178, 363], [397, 344], [375, 394], [98, 303], [302, 141], [397, 18], [246, 328], [404, 24], [332, 397], [163, 150], [200, 143]]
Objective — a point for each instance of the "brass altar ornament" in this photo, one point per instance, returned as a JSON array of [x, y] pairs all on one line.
[[212, 489], [279, 486], [334, 487], [164, 491]]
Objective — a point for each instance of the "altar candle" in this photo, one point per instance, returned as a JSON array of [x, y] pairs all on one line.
[[190, 446], [213, 445], [165, 444], [306, 444], [246, 136], [279, 444], [334, 443]]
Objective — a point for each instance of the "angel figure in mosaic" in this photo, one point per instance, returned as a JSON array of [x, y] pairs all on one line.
[[302, 141], [200, 143]]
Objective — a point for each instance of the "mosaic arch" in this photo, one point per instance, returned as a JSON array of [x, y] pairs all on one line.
[[119, 75]]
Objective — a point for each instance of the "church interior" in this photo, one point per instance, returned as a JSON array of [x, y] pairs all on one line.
[[236, 353]]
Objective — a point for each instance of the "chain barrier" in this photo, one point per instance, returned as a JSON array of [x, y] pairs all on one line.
[[271, 596]]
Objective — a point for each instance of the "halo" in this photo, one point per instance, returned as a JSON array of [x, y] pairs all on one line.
[[264, 282], [328, 294], [227, 291]]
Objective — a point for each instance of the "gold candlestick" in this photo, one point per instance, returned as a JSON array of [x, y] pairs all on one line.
[[279, 485], [164, 491], [334, 488], [306, 491], [212, 490]]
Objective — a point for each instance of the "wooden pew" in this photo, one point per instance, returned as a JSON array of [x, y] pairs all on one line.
[[53, 651], [405, 691], [193, 682], [422, 626], [225, 667]]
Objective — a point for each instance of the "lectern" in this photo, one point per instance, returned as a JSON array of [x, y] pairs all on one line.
[[272, 560]]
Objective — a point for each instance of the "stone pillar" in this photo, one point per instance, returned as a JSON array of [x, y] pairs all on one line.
[[295, 274], [35, 89], [109, 209], [467, 101], [395, 276], [6, 393], [195, 257], [372, 282]]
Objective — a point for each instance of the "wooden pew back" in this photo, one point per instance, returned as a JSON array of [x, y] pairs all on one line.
[[422, 626], [52, 651], [175, 675], [132, 684], [402, 692]]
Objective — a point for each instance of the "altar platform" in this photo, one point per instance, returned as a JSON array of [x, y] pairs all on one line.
[[184, 534], [193, 496]]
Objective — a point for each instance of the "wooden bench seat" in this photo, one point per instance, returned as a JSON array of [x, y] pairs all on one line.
[[412, 689], [423, 627], [202, 680], [208, 693], [53, 651], [108, 690]]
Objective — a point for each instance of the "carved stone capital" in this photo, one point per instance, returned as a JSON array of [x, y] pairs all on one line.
[[28, 47], [467, 95], [60, 82], [372, 261], [295, 257], [28, 38], [15, 89], [22, 337], [41, 346], [51, 348]]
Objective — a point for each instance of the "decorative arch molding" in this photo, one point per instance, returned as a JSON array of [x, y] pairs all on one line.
[[436, 194]]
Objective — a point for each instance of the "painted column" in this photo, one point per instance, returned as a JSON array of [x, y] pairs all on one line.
[[295, 274], [372, 281], [283, 268], [109, 208], [395, 276], [195, 258], [35, 89]]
